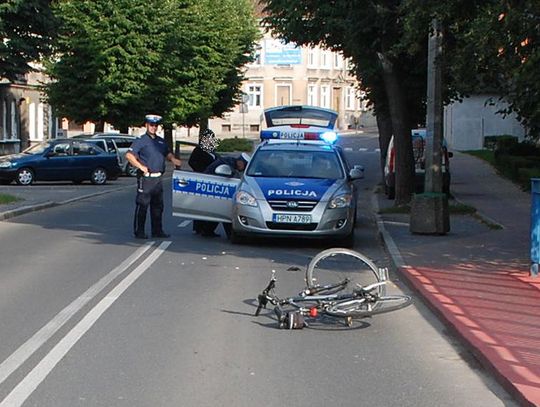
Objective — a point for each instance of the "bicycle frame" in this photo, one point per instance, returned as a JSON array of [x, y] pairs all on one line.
[[320, 302]]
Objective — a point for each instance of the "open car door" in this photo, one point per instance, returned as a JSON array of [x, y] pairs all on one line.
[[203, 196]]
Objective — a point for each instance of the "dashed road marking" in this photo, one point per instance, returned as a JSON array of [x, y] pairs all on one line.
[[184, 223]]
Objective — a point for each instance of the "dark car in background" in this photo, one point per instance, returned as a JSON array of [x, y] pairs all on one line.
[[122, 143], [115, 143], [419, 154], [60, 160]]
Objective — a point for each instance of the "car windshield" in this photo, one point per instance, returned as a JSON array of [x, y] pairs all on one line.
[[38, 148], [295, 164]]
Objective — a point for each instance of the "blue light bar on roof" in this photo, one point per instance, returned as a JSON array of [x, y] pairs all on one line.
[[327, 136]]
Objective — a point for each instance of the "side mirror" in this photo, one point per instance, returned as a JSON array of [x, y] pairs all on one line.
[[223, 170], [357, 172]]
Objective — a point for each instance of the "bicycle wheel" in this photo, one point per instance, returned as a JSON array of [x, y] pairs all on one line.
[[332, 266], [359, 308]]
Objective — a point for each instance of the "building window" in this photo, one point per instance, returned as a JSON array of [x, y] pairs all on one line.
[[349, 98], [257, 56], [326, 59], [4, 120], [255, 95], [312, 58], [338, 61], [225, 128], [32, 121], [283, 95], [40, 122], [14, 130], [325, 96], [254, 127], [312, 95]]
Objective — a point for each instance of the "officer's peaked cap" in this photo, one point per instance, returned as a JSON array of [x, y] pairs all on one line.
[[152, 118]]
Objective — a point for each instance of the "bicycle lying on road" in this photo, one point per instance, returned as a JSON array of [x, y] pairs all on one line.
[[341, 284]]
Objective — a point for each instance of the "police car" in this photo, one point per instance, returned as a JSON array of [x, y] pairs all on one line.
[[292, 187]]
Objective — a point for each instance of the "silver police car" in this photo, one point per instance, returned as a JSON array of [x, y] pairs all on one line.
[[290, 188]]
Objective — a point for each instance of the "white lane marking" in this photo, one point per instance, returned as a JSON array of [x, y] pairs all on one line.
[[32, 380], [348, 149], [184, 223], [17, 358], [363, 149], [377, 150]]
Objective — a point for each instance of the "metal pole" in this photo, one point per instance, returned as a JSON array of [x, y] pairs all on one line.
[[434, 119]]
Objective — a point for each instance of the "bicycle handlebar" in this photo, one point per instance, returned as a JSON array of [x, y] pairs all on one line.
[[263, 298]]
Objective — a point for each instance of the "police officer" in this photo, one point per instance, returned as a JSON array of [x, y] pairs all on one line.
[[148, 154]]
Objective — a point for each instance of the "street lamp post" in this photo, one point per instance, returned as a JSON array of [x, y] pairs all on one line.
[[429, 211]]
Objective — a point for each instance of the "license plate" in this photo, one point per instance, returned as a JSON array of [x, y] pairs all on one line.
[[285, 218], [292, 135]]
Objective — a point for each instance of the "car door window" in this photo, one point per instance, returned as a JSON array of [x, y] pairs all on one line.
[[61, 150], [84, 149]]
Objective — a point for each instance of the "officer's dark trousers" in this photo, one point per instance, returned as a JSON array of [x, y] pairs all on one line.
[[149, 193]]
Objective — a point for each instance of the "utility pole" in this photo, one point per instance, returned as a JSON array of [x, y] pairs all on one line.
[[429, 211]]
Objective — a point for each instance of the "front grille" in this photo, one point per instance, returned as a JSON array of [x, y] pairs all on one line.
[[291, 226], [281, 205]]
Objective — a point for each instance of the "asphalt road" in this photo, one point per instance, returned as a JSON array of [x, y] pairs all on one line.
[[91, 317]]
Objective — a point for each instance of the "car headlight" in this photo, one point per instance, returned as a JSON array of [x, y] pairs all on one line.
[[5, 164], [340, 201], [244, 198]]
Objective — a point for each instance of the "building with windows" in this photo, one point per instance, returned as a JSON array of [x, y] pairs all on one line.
[[25, 118], [284, 74]]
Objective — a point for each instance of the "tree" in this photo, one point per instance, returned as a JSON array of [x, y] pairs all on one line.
[[369, 33], [493, 46], [27, 28], [177, 58]]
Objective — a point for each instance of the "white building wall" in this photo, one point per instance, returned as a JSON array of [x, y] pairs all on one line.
[[313, 76], [466, 123]]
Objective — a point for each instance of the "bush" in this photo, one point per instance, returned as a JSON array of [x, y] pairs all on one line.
[[499, 142], [525, 175], [235, 144]]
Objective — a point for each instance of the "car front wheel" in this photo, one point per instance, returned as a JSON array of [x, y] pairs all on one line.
[[99, 176], [131, 170], [25, 176]]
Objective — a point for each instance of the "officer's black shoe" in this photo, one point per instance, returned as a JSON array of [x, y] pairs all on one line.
[[141, 236], [161, 234]]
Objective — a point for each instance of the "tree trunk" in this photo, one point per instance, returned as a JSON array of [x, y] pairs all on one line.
[[99, 126], [402, 133], [167, 130], [384, 124]]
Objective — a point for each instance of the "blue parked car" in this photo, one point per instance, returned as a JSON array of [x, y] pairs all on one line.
[[60, 160]]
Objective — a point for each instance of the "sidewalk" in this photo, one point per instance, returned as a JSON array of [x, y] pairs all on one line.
[[476, 278]]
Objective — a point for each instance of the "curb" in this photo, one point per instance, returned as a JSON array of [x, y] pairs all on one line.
[[460, 332], [50, 204]]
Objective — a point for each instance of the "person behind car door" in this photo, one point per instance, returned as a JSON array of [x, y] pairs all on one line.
[[148, 153], [238, 165], [201, 157]]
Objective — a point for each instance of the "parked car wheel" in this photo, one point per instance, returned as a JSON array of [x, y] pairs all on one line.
[[131, 170], [99, 176], [25, 176], [234, 238]]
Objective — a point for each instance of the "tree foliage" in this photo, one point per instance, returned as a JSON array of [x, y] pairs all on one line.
[[27, 28], [491, 47], [118, 60], [369, 33]]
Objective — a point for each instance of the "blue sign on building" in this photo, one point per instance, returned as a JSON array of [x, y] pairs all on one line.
[[279, 53]]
